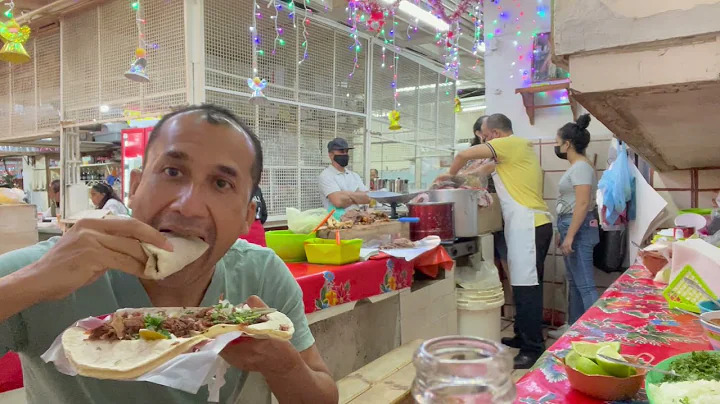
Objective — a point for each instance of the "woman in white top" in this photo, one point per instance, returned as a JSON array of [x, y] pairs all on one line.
[[577, 215], [104, 197]]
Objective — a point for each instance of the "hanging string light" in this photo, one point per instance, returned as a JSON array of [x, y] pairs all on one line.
[[137, 69], [306, 22], [255, 40], [256, 84], [356, 48], [278, 30]]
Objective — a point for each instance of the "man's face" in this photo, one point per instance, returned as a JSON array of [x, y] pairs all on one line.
[[487, 133], [334, 153], [197, 181]]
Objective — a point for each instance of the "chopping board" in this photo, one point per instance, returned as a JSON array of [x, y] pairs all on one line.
[[369, 232]]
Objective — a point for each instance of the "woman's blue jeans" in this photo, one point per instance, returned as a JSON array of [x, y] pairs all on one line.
[[579, 264]]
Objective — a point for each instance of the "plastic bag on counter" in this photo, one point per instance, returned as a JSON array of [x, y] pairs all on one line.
[[616, 187], [714, 239], [481, 275], [304, 222], [11, 196]]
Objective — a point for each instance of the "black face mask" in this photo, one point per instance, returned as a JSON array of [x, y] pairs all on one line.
[[342, 159], [560, 154]]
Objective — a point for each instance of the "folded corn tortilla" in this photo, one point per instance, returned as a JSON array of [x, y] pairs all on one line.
[[129, 359], [162, 263]]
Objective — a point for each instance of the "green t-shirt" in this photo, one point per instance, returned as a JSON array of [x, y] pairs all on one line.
[[245, 270]]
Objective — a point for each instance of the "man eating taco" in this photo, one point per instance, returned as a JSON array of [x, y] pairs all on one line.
[[200, 167]]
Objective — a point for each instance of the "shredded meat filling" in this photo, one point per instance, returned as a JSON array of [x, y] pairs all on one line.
[[128, 326]]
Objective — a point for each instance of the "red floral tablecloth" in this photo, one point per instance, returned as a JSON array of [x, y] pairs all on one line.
[[325, 286], [633, 312]]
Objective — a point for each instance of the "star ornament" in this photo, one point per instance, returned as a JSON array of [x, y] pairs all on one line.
[[14, 37]]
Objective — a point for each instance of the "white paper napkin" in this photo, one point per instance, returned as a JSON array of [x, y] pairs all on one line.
[[187, 372]]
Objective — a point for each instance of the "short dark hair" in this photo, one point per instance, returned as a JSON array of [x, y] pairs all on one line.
[[576, 133], [499, 122], [477, 127], [216, 115], [55, 186]]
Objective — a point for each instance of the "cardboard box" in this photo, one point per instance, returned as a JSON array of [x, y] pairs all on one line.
[[490, 218], [18, 227]]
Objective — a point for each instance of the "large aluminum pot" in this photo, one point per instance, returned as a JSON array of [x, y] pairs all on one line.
[[465, 210], [436, 219]]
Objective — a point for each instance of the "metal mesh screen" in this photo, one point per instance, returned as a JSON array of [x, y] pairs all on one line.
[[47, 62], [278, 130], [317, 72], [117, 43], [5, 102], [426, 116], [81, 76], [228, 50], [98, 48], [306, 98], [23, 95], [349, 92]]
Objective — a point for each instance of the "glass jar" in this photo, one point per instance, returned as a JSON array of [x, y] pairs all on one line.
[[463, 370]]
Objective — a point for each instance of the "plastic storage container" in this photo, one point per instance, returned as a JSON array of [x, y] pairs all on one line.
[[287, 245], [479, 312], [323, 251]]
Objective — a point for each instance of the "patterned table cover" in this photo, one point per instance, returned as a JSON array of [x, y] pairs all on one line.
[[633, 312], [325, 286]]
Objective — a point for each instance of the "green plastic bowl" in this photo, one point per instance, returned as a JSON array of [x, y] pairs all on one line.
[[657, 378], [287, 245]]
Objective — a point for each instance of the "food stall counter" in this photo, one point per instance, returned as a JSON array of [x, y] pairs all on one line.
[[633, 312], [325, 286]]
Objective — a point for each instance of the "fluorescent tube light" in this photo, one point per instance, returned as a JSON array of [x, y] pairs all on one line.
[[421, 14]]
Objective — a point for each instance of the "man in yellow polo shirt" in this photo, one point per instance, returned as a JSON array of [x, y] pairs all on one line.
[[518, 181]]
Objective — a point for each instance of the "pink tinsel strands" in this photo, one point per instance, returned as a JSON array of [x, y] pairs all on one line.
[[438, 9]]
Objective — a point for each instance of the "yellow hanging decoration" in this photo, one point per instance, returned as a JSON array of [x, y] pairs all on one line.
[[14, 37], [458, 105], [394, 117]]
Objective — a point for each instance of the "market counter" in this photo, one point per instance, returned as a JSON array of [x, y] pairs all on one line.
[[633, 312], [325, 286]]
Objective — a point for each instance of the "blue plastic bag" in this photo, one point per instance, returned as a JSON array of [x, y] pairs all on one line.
[[615, 186]]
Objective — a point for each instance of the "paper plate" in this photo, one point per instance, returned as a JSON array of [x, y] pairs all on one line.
[[691, 220]]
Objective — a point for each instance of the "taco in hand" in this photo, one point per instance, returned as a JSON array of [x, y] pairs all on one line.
[[132, 342]]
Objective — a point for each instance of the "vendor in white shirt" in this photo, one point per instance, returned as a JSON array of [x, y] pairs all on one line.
[[341, 188], [103, 196]]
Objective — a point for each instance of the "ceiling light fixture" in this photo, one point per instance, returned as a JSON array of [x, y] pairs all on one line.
[[471, 109], [419, 14]]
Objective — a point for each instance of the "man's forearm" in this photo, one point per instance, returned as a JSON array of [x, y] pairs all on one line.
[[303, 385], [17, 293], [360, 198]]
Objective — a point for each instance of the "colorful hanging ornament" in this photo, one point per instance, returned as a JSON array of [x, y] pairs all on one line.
[[257, 86], [458, 105], [14, 37], [394, 117], [137, 69], [375, 19]]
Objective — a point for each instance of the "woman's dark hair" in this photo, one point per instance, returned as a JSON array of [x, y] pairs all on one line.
[[107, 191], [477, 127], [576, 133]]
